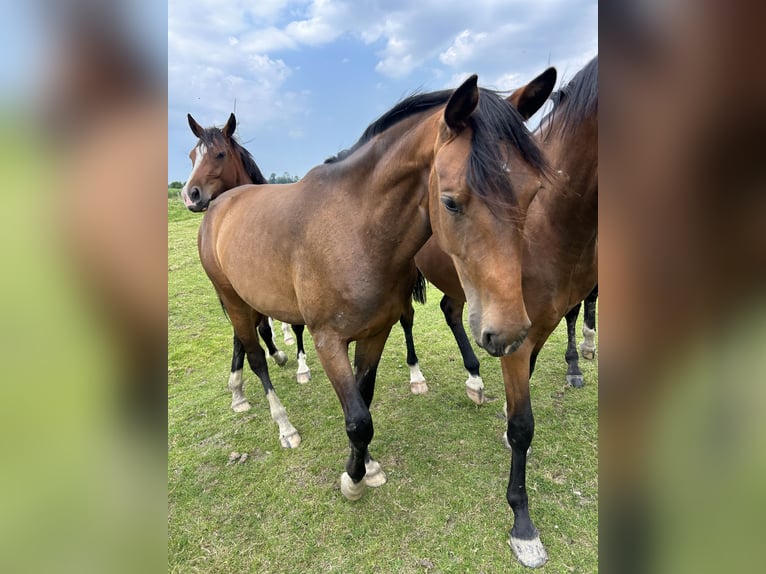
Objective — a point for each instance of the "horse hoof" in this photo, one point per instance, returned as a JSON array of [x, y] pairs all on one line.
[[280, 358], [575, 381], [241, 407], [289, 341], [531, 553], [419, 388], [588, 354], [476, 395], [474, 387], [374, 477], [292, 440], [304, 378], [349, 489]]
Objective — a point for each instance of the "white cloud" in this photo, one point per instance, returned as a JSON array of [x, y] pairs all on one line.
[[463, 48]]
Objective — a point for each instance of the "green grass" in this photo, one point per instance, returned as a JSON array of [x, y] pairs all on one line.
[[443, 508]]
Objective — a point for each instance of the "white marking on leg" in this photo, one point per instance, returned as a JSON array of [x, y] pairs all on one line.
[[287, 334], [418, 385], [588, 345], [474, 387], [304, 374], [288, 436], [238, 401]]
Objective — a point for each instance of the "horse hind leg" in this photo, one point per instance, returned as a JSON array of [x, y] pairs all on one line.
[[288, 435], [588, 345], [303, 375], [264, 328], [453, 315], [239, 402], [244, 321], [287, 334], [418, 384], [574, 374]]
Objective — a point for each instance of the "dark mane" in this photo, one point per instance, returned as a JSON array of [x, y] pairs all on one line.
[[494, 121], [575, 102], [214, 138]]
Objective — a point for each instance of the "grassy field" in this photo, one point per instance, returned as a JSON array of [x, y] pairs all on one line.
[[443, 509]]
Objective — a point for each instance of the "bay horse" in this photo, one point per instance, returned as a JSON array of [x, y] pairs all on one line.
[[457, 164], [225, 164], [220, 163], [527, 100], [559, 269]]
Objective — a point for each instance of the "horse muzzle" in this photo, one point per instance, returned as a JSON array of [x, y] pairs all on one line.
[[498, 345]]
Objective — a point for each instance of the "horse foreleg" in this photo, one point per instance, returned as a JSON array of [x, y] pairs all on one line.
[[574, 374], [366, 359], [453, 315], [333, 354], [524, 538], [418, 384]]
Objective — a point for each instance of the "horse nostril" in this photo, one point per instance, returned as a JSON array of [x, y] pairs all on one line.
[[195, 194], [488, 339]]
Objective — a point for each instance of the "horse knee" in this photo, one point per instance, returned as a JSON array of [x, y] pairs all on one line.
[[359, 429], [521, 429]]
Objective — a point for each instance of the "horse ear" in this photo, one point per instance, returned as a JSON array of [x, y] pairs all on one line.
[[196, 129], [530, 98], [461, 104], [231, 125]]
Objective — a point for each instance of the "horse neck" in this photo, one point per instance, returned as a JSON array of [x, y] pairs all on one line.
[[573, 200], [387, 181]]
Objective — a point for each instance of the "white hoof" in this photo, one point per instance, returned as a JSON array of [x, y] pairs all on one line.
[[374, 476], [303, 377], [349, 489], [531, 553], [293, 440], [289, 340], [587, 353], [474, 388], [419, 388], [241, 406], [280, 358]]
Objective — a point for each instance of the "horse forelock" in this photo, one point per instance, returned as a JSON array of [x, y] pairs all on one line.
[[498, 128]]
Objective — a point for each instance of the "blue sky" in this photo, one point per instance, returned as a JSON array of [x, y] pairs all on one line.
[[308, 76]]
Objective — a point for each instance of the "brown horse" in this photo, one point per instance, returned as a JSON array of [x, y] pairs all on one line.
[[527, 100], [220, 163], [559, 270], [460, 165]]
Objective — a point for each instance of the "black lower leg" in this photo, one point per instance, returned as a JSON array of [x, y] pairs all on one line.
[[264, 330], [453, 315], [407, 321], [574, 374], [521, 428], [238, 355]]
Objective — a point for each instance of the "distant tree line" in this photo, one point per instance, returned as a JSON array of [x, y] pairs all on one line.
[[284, 178], [273, 178]]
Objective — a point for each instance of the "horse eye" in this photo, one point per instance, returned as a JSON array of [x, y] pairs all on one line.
[[221, 155], [450, 204]]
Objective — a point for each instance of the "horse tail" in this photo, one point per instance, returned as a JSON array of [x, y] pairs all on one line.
[[419, 291], [223, 307]]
